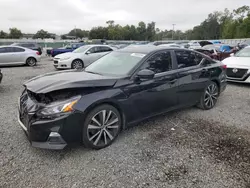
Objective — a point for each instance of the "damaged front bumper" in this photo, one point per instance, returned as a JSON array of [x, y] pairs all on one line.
[[47, 132]]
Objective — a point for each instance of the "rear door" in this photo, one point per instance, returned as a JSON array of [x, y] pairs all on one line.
[[192, 77]]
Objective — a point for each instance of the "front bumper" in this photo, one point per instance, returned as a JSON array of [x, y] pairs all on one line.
[[62, 64], [50, 133]]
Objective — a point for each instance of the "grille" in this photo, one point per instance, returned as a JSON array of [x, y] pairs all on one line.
[[236, 73], [55, 62]]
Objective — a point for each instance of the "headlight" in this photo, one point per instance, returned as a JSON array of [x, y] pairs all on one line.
[[65, 58], [59, 107]]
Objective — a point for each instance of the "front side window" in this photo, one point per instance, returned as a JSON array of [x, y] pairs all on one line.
[[105, 49], [160, 62], [187, 58], [3, 50]]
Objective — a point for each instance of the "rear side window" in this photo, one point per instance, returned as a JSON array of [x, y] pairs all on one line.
[[27, 45], [187, 58], [16, 49], [159, 62]]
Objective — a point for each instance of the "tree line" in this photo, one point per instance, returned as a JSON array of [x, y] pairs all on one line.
[[218, 25]]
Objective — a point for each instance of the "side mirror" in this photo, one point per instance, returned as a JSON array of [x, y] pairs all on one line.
[[232, 54], [146, 74], [88, 52]]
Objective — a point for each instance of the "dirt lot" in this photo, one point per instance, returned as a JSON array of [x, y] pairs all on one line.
[[187, 148]]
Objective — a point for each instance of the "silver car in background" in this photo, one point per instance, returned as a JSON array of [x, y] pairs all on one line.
[[81, 57], [16, 55]]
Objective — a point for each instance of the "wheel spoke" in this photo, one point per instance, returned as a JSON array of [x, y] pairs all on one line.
[[98, 138], [93, 127], [109, 134], [109, 114], [105, 137], [97, 122], [207, 93], [103, 116], [212, 101], [94, 135], [113, 127], [112, 122]]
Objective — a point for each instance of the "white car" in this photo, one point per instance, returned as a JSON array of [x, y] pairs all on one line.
[[238, 66], [16, 55], [172, 45], [81, 57]]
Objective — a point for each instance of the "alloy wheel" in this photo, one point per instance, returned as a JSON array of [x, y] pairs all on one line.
[[77, 64], [31, 62], [103, 127], [211, 95]]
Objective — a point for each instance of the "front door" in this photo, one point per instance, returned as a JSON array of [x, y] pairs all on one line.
[[157, 95]]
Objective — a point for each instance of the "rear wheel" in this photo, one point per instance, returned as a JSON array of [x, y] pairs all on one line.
[[77, 64], [101, 127], [31, 61], [209, 97]]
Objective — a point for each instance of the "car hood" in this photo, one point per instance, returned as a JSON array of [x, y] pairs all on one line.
[[68, 79], [65, 55], [237, 62]]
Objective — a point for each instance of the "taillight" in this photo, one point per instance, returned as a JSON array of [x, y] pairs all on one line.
[[224, 66], [38, 53]]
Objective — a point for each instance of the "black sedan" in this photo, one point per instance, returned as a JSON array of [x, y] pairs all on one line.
[[92, 106]]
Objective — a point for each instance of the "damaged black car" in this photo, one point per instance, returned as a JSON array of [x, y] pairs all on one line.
[[92, 106]]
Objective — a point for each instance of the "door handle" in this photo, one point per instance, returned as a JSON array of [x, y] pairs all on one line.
[[172, 81]]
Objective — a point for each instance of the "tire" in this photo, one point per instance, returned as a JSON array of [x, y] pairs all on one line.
[[77, 64], [31, 61], [98, 135], [209, 97]]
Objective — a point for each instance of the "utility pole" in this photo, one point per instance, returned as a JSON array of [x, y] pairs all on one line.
[[173, 32], [75, 32]]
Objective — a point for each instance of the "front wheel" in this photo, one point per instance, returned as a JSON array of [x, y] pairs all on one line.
[[77, 64], [101, 127], [209, 97]]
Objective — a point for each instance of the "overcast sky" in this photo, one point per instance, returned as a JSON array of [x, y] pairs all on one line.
[[60, 16]]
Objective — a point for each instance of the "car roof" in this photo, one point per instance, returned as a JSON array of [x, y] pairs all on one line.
[[146, 49]]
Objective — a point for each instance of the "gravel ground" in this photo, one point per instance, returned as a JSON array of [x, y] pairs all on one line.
[[186, 148]]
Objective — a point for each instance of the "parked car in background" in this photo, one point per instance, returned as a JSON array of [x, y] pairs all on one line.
[[1, 76], [198, 44], [120, 89], [173, 45], [81, 57], [217, 51], [30, 45], [67, 48], [16, 55], [238, 66]]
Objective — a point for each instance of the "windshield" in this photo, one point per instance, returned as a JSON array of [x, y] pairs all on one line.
[[243, 53], [81, 49], [115, 63]]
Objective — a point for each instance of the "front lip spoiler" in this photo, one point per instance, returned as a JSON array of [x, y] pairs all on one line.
[[21, 124]]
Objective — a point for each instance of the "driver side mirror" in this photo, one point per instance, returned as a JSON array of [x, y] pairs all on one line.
[[146, 74], [88, 52]]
